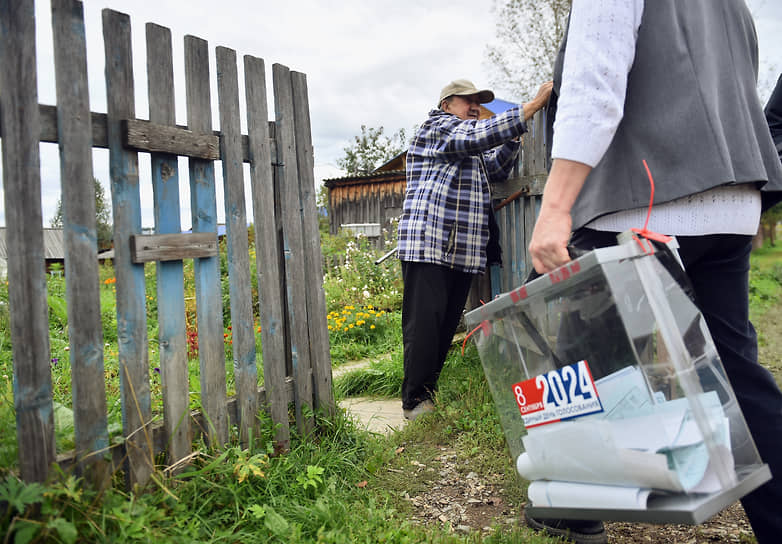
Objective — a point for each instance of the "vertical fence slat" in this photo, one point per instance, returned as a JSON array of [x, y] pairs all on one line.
[[172, 327], [316, 297], [126, 205], [74, 133], [203, 205], [266, 248], [245, 369], [24, 240], [293, 242]]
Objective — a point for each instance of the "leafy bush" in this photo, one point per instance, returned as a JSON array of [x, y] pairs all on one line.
[[359, 281]]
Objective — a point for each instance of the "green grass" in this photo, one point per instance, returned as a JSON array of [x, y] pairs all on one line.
[[765, 282], [339, 486]]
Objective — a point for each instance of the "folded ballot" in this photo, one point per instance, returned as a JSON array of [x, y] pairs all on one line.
[[637, 445]]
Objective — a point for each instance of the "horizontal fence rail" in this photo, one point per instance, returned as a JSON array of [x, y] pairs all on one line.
[[296, 360]]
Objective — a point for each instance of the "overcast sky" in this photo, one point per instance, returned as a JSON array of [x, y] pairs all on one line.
[[372, 62]]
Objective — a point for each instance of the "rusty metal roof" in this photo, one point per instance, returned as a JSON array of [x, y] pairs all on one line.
[[372, 177]]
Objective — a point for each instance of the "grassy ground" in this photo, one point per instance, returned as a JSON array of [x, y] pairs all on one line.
[[340, 486]]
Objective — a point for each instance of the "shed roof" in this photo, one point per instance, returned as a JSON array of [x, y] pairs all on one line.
[[373, 177], [53, 244]]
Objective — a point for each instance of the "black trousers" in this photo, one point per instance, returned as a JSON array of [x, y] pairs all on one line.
[[432, 304], [718, 268]]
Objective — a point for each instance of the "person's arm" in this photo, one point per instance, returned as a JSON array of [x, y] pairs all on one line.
[[599, 55], [550, 237]]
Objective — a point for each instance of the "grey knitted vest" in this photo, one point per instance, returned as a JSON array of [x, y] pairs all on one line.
[[691, 111]]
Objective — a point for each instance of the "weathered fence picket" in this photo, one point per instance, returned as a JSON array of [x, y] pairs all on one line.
[[203, 210], [172, 327], [24, 240], [519, 207], [294, 336], [126, 206], [245, 371], [268, 255], [316, 298], [293, 243], [83, 293]]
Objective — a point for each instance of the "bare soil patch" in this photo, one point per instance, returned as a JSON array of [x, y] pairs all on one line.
[[469, 501]]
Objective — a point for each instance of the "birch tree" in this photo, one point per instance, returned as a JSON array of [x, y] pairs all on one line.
[[528, 35]]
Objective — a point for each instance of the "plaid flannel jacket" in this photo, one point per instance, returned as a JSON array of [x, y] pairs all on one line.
[[450, 162]]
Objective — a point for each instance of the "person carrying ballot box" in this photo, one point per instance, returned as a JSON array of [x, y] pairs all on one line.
[[672, 83]]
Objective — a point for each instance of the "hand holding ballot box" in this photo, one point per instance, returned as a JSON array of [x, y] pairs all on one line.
[[611, 394]]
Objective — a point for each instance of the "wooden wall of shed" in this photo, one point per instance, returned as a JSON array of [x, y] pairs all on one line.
[[372, 202]]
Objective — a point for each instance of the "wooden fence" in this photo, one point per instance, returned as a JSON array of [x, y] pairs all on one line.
[[296, 362], [517, 204]]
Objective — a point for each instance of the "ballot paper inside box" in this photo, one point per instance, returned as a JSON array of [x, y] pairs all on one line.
[[614, 402]]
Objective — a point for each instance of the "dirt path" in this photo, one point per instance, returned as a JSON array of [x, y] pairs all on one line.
[[471, 502]]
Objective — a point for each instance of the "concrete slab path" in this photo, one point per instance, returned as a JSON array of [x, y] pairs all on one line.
[[382, 416]]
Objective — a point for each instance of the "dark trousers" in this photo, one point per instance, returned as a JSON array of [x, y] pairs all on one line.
[[718, 268], [432, 304]]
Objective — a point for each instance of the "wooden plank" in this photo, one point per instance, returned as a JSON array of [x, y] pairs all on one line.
[[172, 326], [196, 420], [293, 243], [145, 248], [24, 241], [85, 330], [316, 297], [267, 248], [126, 204], [148, 136], [48, 132], [203, 207], [245, 369]]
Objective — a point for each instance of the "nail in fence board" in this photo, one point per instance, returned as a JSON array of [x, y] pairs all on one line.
[[203, 207], [316, 298], [267, 248], [293, 243], [85, 330], [126, 205], [172, 327], [24, 240], [243, 330]]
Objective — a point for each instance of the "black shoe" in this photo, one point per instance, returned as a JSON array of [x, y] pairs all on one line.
[[571, 530]]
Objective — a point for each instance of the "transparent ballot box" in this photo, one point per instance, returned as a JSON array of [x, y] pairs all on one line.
[[612, 397]]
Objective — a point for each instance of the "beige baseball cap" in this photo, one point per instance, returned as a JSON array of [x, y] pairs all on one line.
[[465, 87]]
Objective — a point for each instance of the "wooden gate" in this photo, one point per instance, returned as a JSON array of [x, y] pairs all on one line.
[[296, 361], [517, 207]]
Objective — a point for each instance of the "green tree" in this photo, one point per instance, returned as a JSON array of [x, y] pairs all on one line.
[[527, 40], [371, 149], [103, 226]]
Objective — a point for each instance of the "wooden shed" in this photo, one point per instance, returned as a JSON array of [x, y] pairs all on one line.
[[370, 199], [53, 247]]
